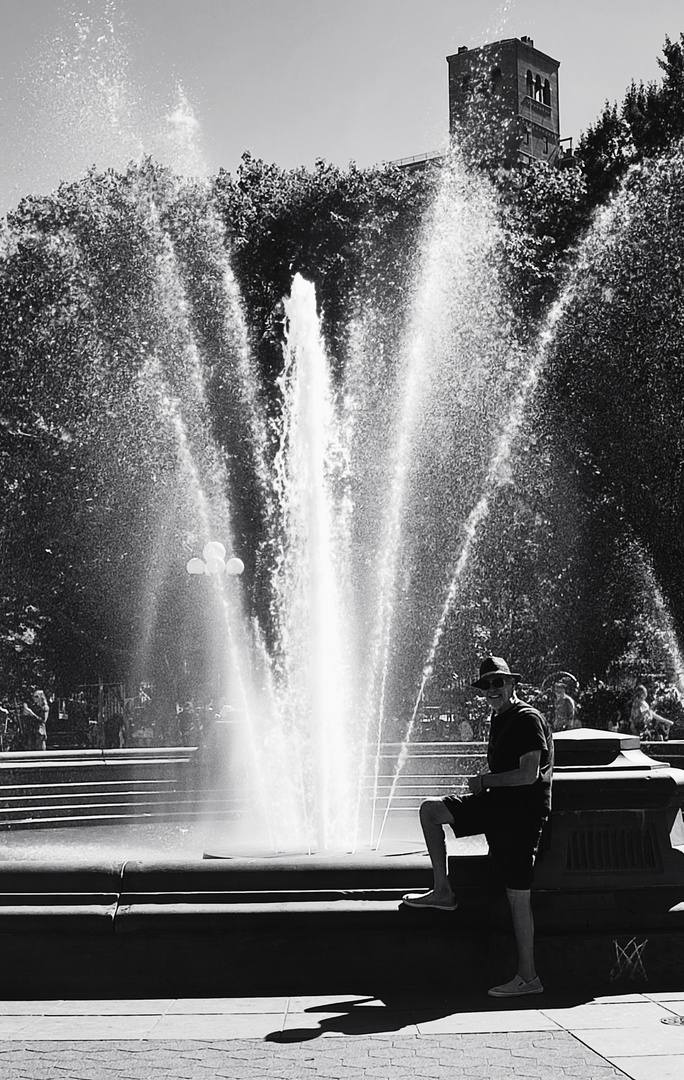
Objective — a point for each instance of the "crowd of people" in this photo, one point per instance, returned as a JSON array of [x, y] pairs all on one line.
[[639, 717], [23, 725], [565, 706], [644, 721], [85, 720]]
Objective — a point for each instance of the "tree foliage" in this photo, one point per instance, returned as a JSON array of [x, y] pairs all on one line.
[[350, 232], [649, 121]]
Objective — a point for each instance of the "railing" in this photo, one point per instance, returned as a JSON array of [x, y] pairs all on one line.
[[55, 788], [430, 769], [416, 159]]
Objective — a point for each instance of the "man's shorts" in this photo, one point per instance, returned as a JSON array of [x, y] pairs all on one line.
[[513, 835]]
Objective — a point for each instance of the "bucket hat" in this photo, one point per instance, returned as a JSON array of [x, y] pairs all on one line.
[[494, 665]]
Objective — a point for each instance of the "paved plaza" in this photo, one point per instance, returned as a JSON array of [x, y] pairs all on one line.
[[403, 1037]]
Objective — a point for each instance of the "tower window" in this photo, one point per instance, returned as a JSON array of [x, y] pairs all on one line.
[[538, 92], [547, 92], [530, 84]]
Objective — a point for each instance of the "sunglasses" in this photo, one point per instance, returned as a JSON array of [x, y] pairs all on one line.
[[498, 681]]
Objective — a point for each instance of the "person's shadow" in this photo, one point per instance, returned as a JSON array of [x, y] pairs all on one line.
[[357, 1017], [376, 1015]]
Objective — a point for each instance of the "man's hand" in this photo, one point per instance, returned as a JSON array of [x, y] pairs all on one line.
[[526, 773]]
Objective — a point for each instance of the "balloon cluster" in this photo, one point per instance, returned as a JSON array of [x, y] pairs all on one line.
[[214, 561]]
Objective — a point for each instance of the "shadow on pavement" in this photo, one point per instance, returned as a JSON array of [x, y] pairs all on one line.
[[394, 1012]]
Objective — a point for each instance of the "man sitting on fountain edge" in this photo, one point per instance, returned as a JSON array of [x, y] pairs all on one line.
[[509, 803]]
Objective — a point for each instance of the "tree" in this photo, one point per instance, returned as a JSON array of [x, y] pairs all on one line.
[[351, 232], [649, 121]]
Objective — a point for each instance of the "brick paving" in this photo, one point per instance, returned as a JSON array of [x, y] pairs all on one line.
[[526, 1055]]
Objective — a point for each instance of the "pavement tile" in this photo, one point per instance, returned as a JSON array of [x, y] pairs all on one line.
[[652, 1040], [427, 1071], [358, 1021], [393, 1071], [117, 1007], [334, 1073], [288, 1039], [216, 1026], [600, 1070], [377, 1047], [26, 1008], [663, 1067], [79, 1028], [617, 999], [572, 1052], [330, 1070], [465, 1023], [398, 1057], [675, 1007], [12, 1027], [335, 1003], [608, 1015], [20, 1075], [235, 1006]]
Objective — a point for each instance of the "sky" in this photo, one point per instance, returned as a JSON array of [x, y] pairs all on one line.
[[196, 83]]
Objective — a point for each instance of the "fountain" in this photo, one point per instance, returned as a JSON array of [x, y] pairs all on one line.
[[336, 473], [362, 547]]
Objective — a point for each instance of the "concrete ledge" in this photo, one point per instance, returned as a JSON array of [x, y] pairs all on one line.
[[297, 873], [166, 964], [291, 893], [53, 897], [214, 929], [53, 915], [309, 916], [39, 878]]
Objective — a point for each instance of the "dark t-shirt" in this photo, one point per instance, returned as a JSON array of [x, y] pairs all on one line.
[[514, 732]]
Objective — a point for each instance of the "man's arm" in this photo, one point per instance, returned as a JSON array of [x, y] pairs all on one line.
[[662, 719], [526, 773]]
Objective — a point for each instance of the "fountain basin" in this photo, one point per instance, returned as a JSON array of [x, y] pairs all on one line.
[[611, 879], [617, 820], [310, 926]]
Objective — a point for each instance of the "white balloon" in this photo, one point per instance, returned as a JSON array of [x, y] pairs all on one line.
[[214, 550], [235, 566], [215, 565], [195, 566]]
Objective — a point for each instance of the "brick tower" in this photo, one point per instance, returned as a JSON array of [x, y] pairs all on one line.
[[511, 79]]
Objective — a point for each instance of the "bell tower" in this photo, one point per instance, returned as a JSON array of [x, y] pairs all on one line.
[[512, 80]]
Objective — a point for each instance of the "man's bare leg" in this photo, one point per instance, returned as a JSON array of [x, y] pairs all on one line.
[[526, 980], [520, 903], [433, 817]]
